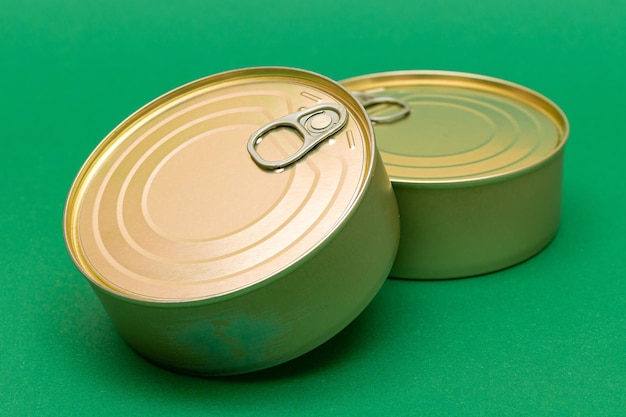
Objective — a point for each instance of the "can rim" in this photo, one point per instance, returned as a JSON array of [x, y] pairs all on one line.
[[70, 226], [547, 106]]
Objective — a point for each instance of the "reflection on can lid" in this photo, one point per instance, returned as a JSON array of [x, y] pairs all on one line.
[[171, 206], [462, 127]]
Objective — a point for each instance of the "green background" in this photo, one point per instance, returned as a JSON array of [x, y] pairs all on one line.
[[547, 337]]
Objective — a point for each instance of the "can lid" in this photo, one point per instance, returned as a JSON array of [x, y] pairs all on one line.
[[172, 206], [461, 127]]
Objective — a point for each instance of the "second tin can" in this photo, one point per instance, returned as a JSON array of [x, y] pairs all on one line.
[[476, 164], [236, 222]]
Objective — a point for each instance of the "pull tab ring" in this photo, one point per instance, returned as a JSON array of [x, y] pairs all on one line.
[[313, 124], [368, 100]]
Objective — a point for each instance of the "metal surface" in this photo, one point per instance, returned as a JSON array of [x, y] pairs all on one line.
[[314, 125], [369, 101], [210, 264], [476, 168]]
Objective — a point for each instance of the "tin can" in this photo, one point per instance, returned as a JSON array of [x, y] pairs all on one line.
[[476, 164], [235, 222]]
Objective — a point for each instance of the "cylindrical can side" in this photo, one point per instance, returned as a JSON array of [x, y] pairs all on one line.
[[279, 320], [479, 228]]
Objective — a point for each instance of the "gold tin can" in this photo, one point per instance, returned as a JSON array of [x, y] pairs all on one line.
[[476, 164], [235, 222]]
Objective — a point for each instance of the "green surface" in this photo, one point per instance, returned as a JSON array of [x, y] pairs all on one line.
[[547, 337]]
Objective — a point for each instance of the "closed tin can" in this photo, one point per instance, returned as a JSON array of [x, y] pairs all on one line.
[[235, 222], [476, 164]]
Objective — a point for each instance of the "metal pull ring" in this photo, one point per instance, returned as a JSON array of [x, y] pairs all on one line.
[[313, 125], [369, 101]]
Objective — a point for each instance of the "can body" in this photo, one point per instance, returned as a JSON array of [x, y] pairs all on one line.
[[457, 232]]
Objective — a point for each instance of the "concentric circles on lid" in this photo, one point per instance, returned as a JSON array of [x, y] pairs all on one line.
[[462, 127], [171, 206]]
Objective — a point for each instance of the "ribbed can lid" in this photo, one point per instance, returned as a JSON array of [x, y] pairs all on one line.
[[172, 207], [461, 127]]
